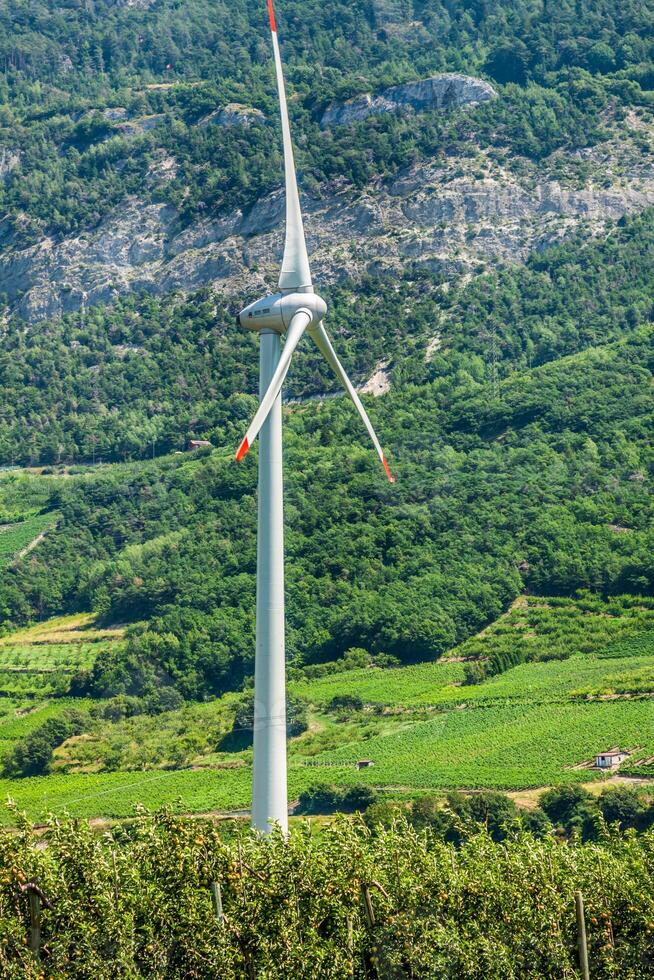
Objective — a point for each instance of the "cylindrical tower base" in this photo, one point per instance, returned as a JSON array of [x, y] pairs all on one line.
[[269, 790]]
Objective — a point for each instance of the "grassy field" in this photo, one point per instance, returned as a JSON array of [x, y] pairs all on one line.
[[504, 746], [124, 794], [585, 686], [421, 684], [440, 683], [120, 794], [538, 723]]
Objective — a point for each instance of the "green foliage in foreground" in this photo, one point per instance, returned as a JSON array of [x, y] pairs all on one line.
[[136, 902]]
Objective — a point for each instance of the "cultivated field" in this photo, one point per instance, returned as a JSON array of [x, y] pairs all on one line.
[[536, 724], [40, 661]]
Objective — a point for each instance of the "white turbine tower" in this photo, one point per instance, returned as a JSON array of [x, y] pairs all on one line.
[[294, 309]]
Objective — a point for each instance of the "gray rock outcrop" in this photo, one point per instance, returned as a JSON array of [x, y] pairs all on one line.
[[140, 4], [446, 91], [428, 217], [9, 160], [233, 115]]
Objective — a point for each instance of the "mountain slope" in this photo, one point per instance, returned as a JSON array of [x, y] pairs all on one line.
[[151, 110], [540, 723], [541, 481], [520, 410]]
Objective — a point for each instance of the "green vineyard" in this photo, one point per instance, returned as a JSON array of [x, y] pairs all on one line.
[[40, 661], [510, 746], [16, 538], [422, 727]]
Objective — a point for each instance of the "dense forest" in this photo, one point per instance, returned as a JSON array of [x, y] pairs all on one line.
[[148, 374], [94, 95]]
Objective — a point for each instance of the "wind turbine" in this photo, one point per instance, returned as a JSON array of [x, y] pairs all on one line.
[[293, 310]]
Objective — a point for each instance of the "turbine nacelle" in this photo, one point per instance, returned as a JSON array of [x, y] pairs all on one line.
[[277, 312]]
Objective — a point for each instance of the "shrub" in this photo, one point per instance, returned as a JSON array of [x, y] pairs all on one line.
[[33, 754], [320, 799]]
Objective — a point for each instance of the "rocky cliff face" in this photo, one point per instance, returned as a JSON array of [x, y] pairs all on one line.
[[233, 115], [440, 92], [9, 160], [458, 218]]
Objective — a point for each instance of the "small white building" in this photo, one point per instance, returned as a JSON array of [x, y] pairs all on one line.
[[611, 758], [365, 764]]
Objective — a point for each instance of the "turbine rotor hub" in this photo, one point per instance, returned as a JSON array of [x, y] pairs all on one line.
[[277, 311]]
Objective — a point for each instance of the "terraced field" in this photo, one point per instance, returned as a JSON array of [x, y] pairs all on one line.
[[442, 683], [36, 666], [40, 661], [421, 684], [25, 512]]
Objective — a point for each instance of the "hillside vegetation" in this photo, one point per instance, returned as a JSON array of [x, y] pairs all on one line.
[[585, 684], [519, 419], [147, 374], [541, 482], [566, 71]]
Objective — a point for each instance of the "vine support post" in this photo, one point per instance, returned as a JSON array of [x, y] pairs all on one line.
[[367, 904], [115, 872], [350, 942], [218, 902], [36, 900], [35, 922], [581, 936]]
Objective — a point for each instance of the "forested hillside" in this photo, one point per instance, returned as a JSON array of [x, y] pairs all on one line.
[[519, 414], [566, 70], [531, 469], [115, 383]]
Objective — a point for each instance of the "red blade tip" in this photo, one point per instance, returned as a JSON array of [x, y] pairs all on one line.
[[242, 450], [271, 14], [391, 478]]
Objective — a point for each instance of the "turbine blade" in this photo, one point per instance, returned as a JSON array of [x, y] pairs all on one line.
[[294, 335], [319, 334], [296, 273]]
